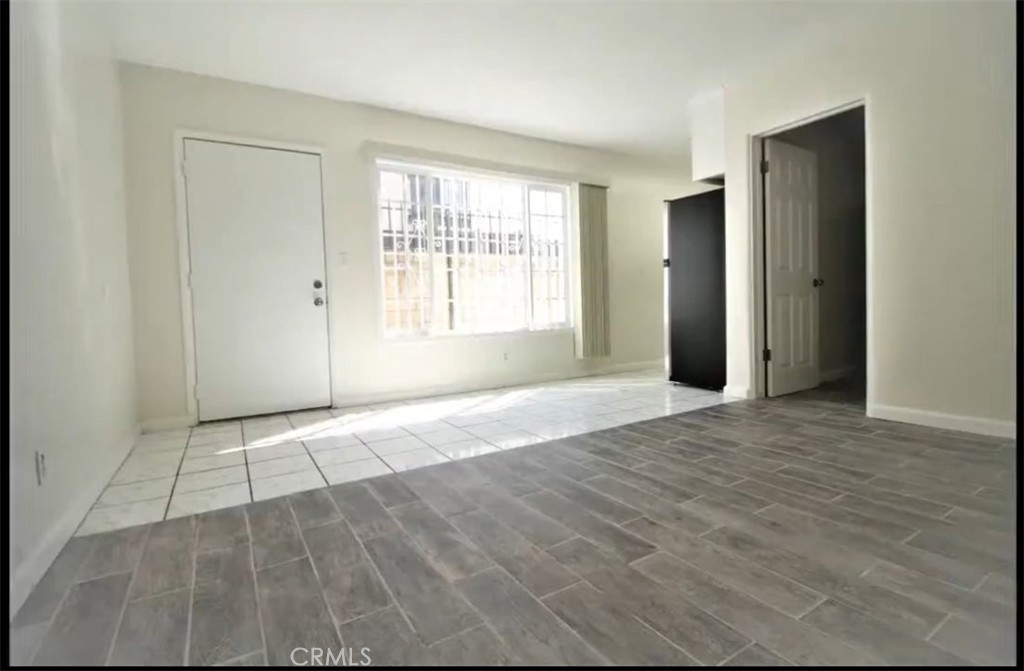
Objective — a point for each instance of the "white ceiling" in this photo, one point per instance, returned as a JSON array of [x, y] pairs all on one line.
[[614, 74]]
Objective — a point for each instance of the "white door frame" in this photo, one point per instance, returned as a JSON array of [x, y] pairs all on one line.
[[188, 332], [756, 203]]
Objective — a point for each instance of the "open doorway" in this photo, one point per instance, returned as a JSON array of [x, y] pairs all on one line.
[[814, 284]]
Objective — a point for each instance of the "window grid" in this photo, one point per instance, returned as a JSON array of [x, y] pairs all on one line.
[[548, 272], [527, 236], [467, 253], [408, 296]]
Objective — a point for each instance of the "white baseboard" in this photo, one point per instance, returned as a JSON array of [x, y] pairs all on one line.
[[510, 381], [628, 368], [26, 576], [941, 420], [835, 373], [167, 423], [734, 391]]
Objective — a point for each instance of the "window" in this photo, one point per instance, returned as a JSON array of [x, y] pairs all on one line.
[[465, 253]]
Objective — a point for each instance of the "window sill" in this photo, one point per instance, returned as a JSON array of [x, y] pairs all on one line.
[[441, 337]]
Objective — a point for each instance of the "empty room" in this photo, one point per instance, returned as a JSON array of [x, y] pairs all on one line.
[[512, 333]]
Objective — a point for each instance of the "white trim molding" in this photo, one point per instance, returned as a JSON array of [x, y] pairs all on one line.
[[168, 423], [383, 151], [498, 384], [940, 420], [755, 282], [734, 391]]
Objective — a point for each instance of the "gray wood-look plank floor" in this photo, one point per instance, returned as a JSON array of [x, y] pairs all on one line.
[[790, 531]]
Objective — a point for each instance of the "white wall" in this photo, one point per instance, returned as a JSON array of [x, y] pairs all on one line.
[[707, 135], [158, 102], [938, 80], [72, 360]]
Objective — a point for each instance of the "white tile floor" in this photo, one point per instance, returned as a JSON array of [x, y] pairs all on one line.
[[222, 464]]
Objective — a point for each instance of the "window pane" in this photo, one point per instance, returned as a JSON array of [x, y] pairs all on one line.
[[538, 201], [392, 186], [405, 261], [556, 203], [558, 312], [548, 258], [469, 253]]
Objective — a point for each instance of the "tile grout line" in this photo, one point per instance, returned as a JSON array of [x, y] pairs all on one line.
[[376, 570], [545, 606], [736, 654], [177, 473], [541, 597], [458, 593], [716, 579], [909, 538], [192, 591], [234, 661], [92, 506], [981, 582], [470, 628], [870, 568], [248, 480], [127, 594], [807, 611], [312, 564], [316, 465], [191, 491], [63, 599], [255, 584], [155, 595], [373, 612], [935, 630]]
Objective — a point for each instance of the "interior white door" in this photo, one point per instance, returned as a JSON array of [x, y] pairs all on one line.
[[256, 246], [791, 262]]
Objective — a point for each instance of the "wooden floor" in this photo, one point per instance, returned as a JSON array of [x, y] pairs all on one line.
[[770, 532]]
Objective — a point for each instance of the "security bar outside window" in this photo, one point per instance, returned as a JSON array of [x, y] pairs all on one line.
[[465, 253]]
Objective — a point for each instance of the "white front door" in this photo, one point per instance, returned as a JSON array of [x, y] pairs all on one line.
[[791, 239], [256, 246]]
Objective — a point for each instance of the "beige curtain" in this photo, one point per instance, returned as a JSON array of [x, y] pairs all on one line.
[[594, 330]]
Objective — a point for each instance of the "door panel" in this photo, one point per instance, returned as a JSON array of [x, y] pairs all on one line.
[[256, 246], [791, 224], [696, 289]]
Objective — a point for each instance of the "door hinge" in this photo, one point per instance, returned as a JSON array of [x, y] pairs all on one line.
[[195, 391], [766, 355], [188, 278], [665, 263], [764, 167], [181, 166]]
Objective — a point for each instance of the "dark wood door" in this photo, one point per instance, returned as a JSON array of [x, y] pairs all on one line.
[[696, 286]]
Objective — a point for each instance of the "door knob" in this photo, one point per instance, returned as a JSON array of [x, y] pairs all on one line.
[[817, 282], [318, 301], [317, 284]]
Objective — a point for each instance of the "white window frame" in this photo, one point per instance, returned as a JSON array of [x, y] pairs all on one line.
[[433, 169]]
